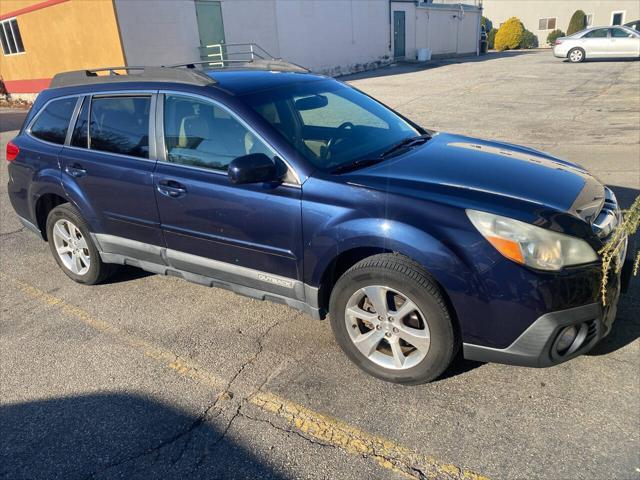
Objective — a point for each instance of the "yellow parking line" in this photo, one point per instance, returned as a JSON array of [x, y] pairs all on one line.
[[312, 424], [155, 352], [337, 433]]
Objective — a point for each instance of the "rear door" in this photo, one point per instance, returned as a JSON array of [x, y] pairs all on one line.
[[245, 234], [596, 43], [624, 43], [108, 168]]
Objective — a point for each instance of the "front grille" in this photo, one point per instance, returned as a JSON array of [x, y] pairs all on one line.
[[609, 216]]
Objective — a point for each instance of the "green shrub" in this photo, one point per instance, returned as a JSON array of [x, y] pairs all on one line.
[[554, 35], [491, 37], [529, 40], [578, 22], [486, 23], [509, 35]]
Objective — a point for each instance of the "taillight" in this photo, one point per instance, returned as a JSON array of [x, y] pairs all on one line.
[[12, 151], [557, 42]]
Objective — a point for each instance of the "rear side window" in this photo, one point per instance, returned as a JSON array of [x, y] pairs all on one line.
[[120, 125], [52, 123], [600, 33]]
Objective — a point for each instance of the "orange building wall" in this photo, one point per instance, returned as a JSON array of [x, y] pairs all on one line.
[[59, 35]]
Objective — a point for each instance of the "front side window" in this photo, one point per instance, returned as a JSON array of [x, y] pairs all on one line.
[[330, 123], [599, 33], [10, 37], [52, 123], [120, 125], [201, 134], [620, 33]]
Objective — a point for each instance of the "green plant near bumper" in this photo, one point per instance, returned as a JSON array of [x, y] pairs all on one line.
[[611, 250]]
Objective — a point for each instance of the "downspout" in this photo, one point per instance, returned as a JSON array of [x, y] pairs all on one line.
[[478, 28]]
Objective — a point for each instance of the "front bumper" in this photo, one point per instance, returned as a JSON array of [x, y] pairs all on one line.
[[536, 346]]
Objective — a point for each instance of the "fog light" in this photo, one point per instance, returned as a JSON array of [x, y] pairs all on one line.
[[566, 339]]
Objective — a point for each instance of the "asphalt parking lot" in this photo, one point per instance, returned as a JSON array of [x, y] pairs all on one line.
[[152, 377]]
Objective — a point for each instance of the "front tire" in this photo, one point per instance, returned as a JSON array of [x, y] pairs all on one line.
[[390, 319], [72, 247], [576, 55]]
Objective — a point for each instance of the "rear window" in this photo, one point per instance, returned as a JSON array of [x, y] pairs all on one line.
[[120, 125], [52, 123]]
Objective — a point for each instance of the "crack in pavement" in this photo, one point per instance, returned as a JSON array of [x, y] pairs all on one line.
[[315, 427], [226, 394], [336, 433], [12, 232]]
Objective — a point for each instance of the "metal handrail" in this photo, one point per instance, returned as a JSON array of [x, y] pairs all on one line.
[[254, 56]]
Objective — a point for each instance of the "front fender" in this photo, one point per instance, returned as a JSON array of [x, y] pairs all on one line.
[[440, 261]]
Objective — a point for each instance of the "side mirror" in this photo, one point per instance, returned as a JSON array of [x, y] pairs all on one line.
[[253, 168]]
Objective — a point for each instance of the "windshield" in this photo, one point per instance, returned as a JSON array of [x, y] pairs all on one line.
[[330, 123]]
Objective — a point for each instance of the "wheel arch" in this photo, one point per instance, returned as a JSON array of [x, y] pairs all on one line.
[[449, 272], [349, 258], [43, 206]]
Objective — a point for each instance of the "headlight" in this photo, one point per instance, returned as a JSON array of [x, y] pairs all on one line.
[[530, 245]]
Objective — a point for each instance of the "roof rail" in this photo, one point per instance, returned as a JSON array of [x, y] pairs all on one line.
[[131, 74], [240, 55]]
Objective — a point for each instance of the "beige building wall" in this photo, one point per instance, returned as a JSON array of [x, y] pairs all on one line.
[[531, 11], [328, 36]]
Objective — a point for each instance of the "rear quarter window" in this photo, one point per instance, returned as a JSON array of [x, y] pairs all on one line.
[[52, 122]]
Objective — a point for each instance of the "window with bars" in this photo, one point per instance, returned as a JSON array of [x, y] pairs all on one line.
[[547, 24], [10, 37]]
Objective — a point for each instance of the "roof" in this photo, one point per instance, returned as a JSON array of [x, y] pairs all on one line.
[[242, 81], [237, 80]]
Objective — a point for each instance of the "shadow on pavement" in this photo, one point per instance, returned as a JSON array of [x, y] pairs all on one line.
[[127, 273], [407, 67], [115, 435]]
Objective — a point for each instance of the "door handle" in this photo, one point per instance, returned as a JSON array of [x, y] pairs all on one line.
[[171, 188], [75, 170]]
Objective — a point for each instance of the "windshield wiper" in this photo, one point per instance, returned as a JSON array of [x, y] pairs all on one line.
[[349, 167], [367, 162], [406, 143]]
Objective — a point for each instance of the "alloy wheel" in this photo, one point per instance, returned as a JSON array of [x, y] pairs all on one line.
[[71, 247], [387, 327], [575, 56]]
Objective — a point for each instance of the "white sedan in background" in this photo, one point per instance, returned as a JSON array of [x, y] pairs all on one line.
[[599, 42]]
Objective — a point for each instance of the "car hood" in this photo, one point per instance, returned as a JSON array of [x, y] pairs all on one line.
[[461, 166]]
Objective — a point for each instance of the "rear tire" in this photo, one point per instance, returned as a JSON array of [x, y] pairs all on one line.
[[576, 55], [73, 248], [413, 340]]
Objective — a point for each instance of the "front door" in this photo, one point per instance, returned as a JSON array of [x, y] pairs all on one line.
[[398, 34], [210, 26], [623, 43], [244, 234]]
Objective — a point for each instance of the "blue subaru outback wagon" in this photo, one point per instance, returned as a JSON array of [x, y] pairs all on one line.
[[292, 187]]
